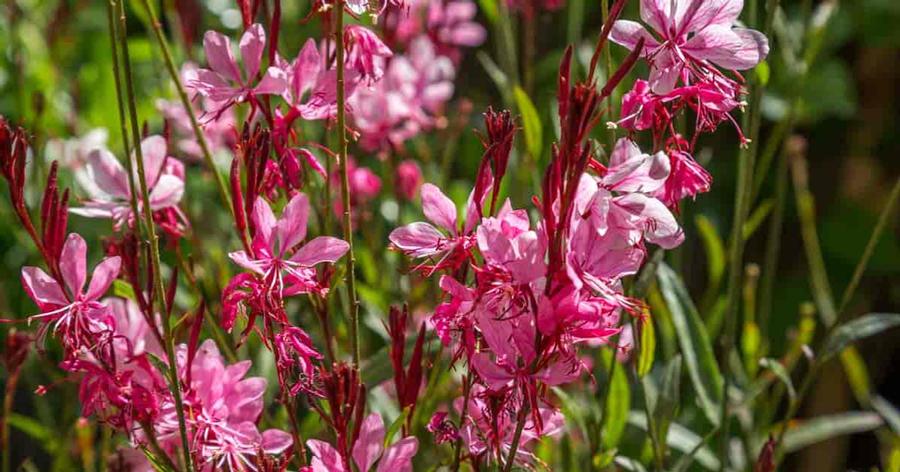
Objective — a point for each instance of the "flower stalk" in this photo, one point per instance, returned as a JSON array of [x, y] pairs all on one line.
[[153, 240], [350, 276]]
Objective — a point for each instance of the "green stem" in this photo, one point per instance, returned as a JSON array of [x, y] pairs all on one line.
[[158, 286], [345, 182], [186, 103], [517, 437]]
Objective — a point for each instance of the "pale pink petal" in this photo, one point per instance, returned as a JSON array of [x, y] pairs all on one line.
[[219, 55], [417, 239], [659, 225], [292, 225], [153, 148], [306, 69], [242, 259], [252, 44], [104, 275], [713, 12], [398, 458], [370, 442], [320, 249], [658, 14], [641, 173], [72, 263], [736, 48], [42, 288], [274, 82], [439, 209], [627, 33], [166, 193], [109, 175], [276, 441]]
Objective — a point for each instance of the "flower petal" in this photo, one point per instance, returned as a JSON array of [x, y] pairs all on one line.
[[292, 225], [321, 249], [106, 171], [42, 288], [439, 209], [398, 458], [252, 44], [275, 441], [104, 275], [627, 33], [72, 263], [417, 239], [219, 55], [369, 443], [736, 48]]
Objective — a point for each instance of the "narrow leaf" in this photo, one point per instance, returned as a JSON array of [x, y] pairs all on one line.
[[823, 428], [778, 369], [694, 342], [531, 121], [860, 328], [647, 348], [618, 402]]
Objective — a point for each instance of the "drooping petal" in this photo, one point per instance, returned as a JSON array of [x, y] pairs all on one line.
[[252, 44], [292, 225], [320, 249], [369, 444], [73, 262], [398, 457], [439, 209], [219, 55], [42, 288], [104, 275], [417, 239]]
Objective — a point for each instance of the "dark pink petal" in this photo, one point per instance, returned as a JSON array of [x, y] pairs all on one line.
[[369, 445], [73, 262], [292, 225], [104, 275], [439, 209], [219, 55], [264, 223], [252, 44], [398, 458], [325, 457], [42, 288], [306, 69], [320, 249], [494, 376]]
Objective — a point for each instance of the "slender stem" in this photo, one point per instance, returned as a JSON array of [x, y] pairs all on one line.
[[773, 244], [746, 163], [158, 286], [8, 398], [156, 448], [345, 181], [186, 102], [870, 248], [113, 34], [517, 437]]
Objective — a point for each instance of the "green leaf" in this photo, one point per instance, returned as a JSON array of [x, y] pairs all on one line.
[[123, 289], [860, 328], [495, 73], [618, 402], [778, 369], [694, 342], [36, 430], [668, 401], [823, 428], [887, 411], [757, 217], [681, 439], [489, 8], [763, 72], [530, 121], [395, 426], [647, 348]]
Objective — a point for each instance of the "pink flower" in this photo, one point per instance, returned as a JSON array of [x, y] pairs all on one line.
[[367, 451], [276, 255], [408, 179], [311, 86], [687, 179], [406, 100], [112, 196], [223, 83], [690, 33], [75, 315], [452, 25], [294, 351], [442, 428], [424, 240], [366, 52]]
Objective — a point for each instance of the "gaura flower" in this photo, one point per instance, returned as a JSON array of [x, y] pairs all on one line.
[[367, 451]]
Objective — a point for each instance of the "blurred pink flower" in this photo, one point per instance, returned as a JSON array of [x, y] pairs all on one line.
[[408, 179]]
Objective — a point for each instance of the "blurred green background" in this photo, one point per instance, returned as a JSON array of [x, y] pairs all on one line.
[[55, 79]]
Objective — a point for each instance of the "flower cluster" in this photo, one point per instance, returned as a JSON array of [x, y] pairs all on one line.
[[523, 298]]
